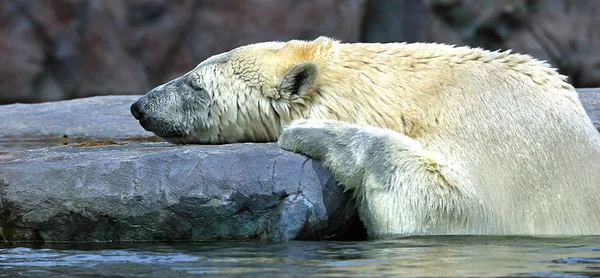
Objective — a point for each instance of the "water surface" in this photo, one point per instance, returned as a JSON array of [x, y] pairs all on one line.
[[416, 256]]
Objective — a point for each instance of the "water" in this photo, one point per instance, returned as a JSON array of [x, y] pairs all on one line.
[[418, 256]]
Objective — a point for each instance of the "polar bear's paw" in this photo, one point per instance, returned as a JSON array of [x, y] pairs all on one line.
[[312, 138], [401, 188]]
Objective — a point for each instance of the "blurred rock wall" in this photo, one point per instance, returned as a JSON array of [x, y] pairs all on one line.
[[565, 33], [63, 49]]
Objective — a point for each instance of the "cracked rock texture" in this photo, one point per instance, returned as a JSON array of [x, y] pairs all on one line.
[[162, 192]]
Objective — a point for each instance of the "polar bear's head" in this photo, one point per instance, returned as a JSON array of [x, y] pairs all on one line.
[[243, 95]]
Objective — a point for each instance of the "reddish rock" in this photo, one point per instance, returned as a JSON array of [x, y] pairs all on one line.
[[159, 30], [109, 63], [61, 49], [21, 54], [221, 25]]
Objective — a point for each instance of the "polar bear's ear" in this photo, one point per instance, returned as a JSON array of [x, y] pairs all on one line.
[[299, 79]]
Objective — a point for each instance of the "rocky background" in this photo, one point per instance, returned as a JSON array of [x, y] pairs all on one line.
[[63, 49]]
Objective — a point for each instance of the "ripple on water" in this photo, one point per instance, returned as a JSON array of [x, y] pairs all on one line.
[[24, 257], [419, 256]]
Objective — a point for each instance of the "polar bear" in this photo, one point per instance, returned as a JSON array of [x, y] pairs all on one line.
[[431, 138]]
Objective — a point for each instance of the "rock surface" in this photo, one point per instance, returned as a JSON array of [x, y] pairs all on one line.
[[98, 117], [162, 192], [29, 126], [590, 98]]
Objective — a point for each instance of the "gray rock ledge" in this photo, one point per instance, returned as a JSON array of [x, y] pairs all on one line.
[[590, 98], [163, 192], [30, 126]]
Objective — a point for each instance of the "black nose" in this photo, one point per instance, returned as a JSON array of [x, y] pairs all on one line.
[[136, 110]]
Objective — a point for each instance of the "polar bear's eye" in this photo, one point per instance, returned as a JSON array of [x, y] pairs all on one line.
[[196, 86]]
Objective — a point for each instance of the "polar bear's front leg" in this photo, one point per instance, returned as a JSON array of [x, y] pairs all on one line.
[[401, 189]]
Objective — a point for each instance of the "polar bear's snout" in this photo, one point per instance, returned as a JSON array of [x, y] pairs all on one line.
[[173, 110], [137, 110]]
